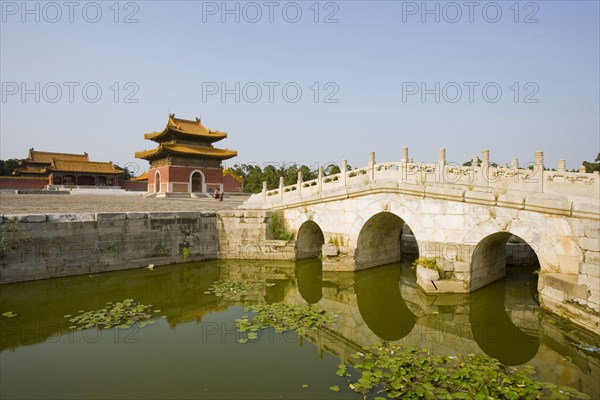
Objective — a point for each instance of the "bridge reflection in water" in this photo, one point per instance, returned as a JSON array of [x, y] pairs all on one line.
[[502, 320]]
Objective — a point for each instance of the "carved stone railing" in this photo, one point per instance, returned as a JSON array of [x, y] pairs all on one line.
[[480, 176]]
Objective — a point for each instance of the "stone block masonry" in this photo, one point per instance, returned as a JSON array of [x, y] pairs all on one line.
[[44, 246]]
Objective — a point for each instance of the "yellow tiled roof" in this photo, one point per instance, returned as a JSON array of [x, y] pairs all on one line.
[[142, 177], [30, 170], [233, 175], [186, 127], [175, 148], [47, 157], [91, 167]]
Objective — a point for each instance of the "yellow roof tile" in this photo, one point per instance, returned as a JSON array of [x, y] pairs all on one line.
[[47, 157], [92, 167], [175, 148], [186, 127]]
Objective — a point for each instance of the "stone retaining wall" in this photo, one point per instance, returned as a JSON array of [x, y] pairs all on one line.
[[43, 246]]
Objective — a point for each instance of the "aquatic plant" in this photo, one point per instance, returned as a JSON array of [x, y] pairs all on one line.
[[406, 372], [427, 262], [118, 315], [9, 314], [432, 263], [282, 317], [233, 289], [278, 230]]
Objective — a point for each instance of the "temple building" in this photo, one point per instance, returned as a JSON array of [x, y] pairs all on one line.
[[185, 160], [68, 169]]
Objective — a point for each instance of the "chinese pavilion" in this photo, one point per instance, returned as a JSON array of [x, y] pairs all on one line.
[[68, 169], [185, 160]]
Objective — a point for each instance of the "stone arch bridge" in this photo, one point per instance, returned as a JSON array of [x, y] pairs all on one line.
[[462, 216]]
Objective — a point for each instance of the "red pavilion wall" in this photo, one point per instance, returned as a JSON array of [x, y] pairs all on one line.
[[177, 178]]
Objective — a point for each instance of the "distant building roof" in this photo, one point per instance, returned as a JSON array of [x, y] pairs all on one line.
[[187, 129], [45, 157], [91, 167], [233, 175], [45, 162], [141, 178]]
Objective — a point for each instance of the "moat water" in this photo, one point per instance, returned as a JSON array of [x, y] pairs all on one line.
[[192, 350]]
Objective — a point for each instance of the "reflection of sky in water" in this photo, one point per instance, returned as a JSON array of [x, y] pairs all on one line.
[[198, 336]]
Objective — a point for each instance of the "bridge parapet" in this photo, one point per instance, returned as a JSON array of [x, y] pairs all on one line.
[[531, 187]]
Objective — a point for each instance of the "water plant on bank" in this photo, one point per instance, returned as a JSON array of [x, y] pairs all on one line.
[[277, 228], [232, 289], [404, 372], [282, 317], [118, 315], [432, 263]]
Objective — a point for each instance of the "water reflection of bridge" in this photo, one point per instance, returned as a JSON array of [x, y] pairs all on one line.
[[502, 320]]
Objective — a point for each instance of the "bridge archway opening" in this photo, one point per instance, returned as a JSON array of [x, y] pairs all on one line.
[[494, 253], [309, 241], [380, 241]]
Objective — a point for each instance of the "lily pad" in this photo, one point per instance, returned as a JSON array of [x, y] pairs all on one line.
[[399, 370], [283, 317], [118, 315], [9, 314]]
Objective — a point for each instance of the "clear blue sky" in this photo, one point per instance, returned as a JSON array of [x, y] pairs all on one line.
[[372, 60]]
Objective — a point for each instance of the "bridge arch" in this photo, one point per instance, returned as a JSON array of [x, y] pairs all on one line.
[[309, 240], [488, 259], [561, 256], [378, 242]]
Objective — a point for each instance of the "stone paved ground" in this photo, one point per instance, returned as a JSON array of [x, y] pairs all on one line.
[[11, 203]]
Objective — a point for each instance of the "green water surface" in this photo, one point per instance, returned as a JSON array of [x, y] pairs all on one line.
[[192, 350]]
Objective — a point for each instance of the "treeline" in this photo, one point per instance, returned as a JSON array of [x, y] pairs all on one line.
[[254, 175]]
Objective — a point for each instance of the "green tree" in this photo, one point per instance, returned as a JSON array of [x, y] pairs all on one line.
[[8, 166], [592, 166], [331, 169], [126, 174]]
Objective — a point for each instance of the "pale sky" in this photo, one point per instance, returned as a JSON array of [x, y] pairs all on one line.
[[373, 76]]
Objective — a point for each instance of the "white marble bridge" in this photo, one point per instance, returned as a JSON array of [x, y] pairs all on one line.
[[462, 216]]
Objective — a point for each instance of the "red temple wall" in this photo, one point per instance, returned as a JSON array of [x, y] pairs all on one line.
[[20, 182], [230, 184], [177, 178]]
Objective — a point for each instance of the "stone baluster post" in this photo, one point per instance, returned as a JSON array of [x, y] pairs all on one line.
[[485, 158], [404, 159], [538, 168], [475, 161], [539, 159], [404, 165], [441, 165], [581, 169], [344, 172], [281, 184], [320, 179], [264, 191], [562, 165], [372, 165], [514, 164], [442, 157], [299, 188]]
